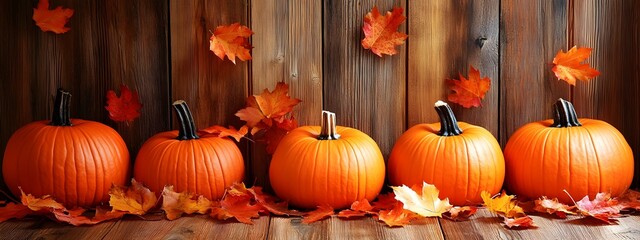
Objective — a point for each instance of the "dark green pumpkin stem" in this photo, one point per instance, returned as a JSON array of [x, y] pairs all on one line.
[[564, 115], [448, 123], [185, 118], [61, 115], [328, 127]]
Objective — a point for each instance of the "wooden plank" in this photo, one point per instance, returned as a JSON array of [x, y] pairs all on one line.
[[364, 228], [531, 34], [194, 227], [287, 47], [445, 38], [486, 225], [43, 228], [365, 91], [611, 29]]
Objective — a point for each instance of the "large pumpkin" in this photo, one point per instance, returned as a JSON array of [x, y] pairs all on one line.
[[74, 160], [460, 159], [582, 156], [204, 165], [326, 165]]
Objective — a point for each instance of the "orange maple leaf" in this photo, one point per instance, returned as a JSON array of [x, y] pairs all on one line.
[[271, 204], [398, 216], [231, 41], [602, 207], [236, 206], [37, 204], [221, 131], [316, 215], [358, 209], [51, 20], [175, 204], [469, 92], [552, 206], [519, 222], [568, 66], [630, 200], [385, 202], [135, 199], [123, 108], [380, 32], [461, 213], [12, 210]]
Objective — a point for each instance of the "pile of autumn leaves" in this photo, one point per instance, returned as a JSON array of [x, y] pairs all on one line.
[[397, 208]]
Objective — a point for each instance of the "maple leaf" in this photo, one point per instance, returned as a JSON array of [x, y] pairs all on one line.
[[221, 131], [123, 108], [385, 202], [603, 207], [461, 213], [316, 215], [380, 32], [175, 204], [236, 206], [271, 204], [552, 206], [426, 204], [12, 210], [358, 209], [502, 204], [231, 41], [630, 200], [469, 92], [38, 204], [519, 222], [51, 20], [136, 199], [397, 216], [568, 66]]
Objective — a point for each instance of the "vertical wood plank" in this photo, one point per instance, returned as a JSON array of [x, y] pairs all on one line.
[[611, 28], [365, 91], [531, 34], [445, 38]]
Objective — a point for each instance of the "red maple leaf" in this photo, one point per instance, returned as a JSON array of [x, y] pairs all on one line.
[[358, 209], [568, 66], [519, 222], [51, 20], [603, 207], [316, 215], [271, 204], [380, 32], [385, 202], [236, 206], [461, 213], [123, 108], [231, 41], [12, 210], [469, 92], [552, 206]]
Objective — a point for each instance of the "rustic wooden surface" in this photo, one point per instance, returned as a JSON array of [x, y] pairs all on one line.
[[483, 225]]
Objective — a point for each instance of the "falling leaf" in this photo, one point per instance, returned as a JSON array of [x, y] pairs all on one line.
[[231, 41], [37, 204], [552, 206], [236, 206], [469, 92], [175, 204], [461, 213], [426, 204], [381, 32], [358, 209], [51, 20], [12, 210], [568, 66], [136, 199], [221, 131], [123, 108], [398, 216], [520, 222], [502, 204], [603, 207], [318, 214]]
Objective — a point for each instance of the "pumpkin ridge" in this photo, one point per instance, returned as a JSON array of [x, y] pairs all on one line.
[[219, 160], [597, 157], [418, 147], [358, 187], [466, 146]]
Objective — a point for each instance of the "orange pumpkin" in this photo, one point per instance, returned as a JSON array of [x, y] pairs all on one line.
[[460, 159], [326, 165], [204, 165], [583, 156], [74, 160]]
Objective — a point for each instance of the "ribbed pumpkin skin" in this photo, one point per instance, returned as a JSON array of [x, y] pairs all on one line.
[[461, 166], [75, 164], [585, 160], [206, 166], [308, 172]]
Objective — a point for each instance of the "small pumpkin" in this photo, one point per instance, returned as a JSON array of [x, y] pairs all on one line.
[[326, 165], [204, 165], [583, 156], [76, 161], [460, 159]]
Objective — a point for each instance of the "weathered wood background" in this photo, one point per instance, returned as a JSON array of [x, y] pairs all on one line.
[[161, 49]]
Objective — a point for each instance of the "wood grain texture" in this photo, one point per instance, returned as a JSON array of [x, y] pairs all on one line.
[[365, 91], [365, 228], [47, 229], [287, 48], [196, 227], [445, 38], [531, 33], [612, 29]]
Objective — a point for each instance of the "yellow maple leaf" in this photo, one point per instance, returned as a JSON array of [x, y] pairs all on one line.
[[503, 204], [426, 204], [175, 204], [136, 199]]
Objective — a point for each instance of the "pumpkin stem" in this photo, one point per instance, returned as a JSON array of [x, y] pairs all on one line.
[[328, 127], [564, 114], [61, 115], [448, 123], [185, 118]]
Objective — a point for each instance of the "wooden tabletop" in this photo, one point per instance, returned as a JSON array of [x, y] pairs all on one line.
[[483, 225]]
